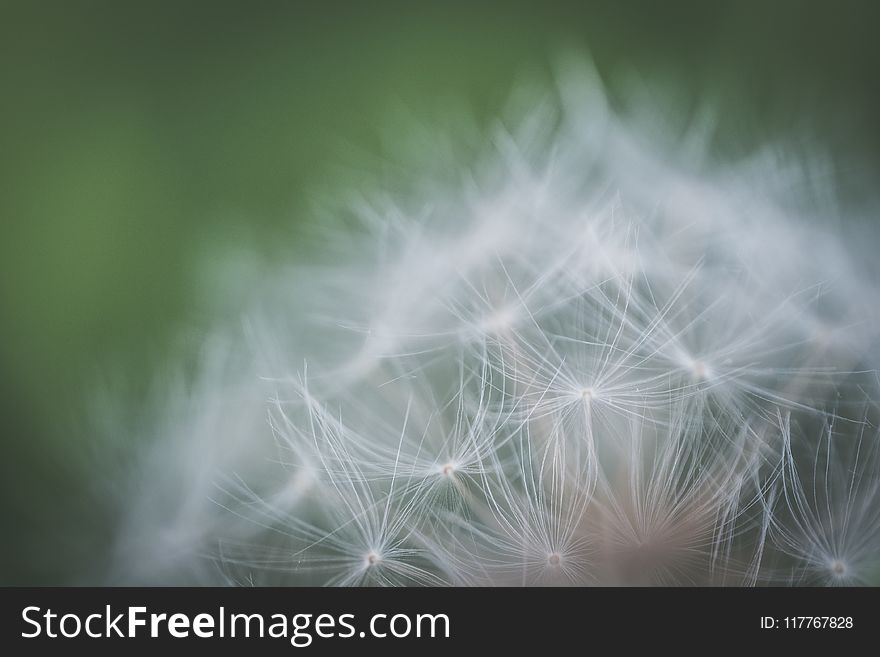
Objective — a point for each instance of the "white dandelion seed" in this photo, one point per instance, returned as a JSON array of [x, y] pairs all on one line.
[[826, 516], [567, 360]]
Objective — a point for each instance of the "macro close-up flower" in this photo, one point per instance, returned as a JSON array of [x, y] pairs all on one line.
[[573, 361], [348, 296]]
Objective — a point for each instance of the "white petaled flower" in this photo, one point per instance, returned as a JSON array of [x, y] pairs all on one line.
[[567, 358]]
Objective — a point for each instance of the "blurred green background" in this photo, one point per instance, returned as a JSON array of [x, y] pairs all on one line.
[[136, 135]]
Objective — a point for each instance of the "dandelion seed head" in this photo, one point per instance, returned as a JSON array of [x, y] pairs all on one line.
[[573, 361]]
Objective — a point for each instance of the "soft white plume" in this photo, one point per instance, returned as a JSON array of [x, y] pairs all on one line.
[[574, 361]]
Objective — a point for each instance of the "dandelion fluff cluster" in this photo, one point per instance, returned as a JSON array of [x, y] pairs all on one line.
[[583, 356]]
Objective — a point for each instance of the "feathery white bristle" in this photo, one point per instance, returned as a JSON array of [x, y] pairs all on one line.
[[575, 365]]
